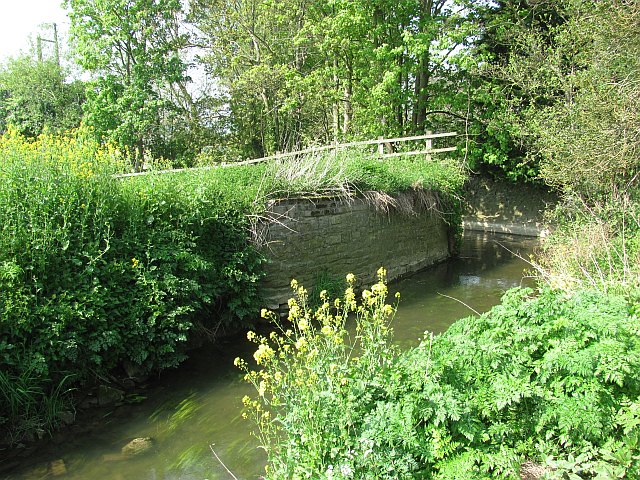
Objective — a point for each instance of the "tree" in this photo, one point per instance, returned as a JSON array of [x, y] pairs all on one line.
[[134, 48], [299, 72], [36, 95], [588, 139], [566, 79]]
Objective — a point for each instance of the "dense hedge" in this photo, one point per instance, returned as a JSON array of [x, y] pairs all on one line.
[[96, 270]]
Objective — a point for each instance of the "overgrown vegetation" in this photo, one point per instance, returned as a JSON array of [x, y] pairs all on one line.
[[97, 271], [548, 380], [100, 271], [546, 384]]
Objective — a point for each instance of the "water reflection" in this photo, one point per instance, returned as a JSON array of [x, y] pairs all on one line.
[[199, 404], [488, 265]]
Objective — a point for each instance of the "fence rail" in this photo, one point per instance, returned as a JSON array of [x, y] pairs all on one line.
[[389, 143]]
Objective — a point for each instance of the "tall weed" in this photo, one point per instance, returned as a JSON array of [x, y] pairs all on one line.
[[318, 386], [595, 245], [548, 380]]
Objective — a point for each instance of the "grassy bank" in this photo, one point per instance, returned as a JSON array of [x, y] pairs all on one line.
[[98, 273]]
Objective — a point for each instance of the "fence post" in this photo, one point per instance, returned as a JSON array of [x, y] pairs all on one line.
[[381, 146], [429, 145]]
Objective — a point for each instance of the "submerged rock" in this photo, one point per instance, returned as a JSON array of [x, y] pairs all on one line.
[[58, 468], [137, 446], [109, 395]]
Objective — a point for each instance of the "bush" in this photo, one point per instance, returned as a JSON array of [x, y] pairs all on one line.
[[594, 246], [551, 380], [97, 270]]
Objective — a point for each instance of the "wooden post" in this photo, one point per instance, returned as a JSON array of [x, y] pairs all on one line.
[[381, 147], [56, 45], [429, 145]]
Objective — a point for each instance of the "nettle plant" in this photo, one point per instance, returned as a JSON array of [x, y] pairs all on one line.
[[318, 380]]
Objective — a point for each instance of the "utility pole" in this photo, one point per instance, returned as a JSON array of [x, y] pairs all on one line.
[[56, 45], [39, 48]]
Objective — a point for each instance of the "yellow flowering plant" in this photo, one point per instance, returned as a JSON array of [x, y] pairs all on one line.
[[316, 375]]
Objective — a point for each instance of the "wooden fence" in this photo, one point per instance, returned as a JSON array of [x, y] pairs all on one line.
[[386, 148]]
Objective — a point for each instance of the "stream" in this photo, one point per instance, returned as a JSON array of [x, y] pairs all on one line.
[[194, 411]]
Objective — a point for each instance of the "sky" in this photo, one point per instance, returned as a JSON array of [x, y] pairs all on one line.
[[20, 19]]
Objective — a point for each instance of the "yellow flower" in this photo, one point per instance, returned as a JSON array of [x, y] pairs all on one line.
[[294, 312], [251, 335], [351, 278], [326, 330], [264, 312], [303, 324], [294, 284], [264, 353], [262, 388], [349, 295], [135, 262], [301, 343]]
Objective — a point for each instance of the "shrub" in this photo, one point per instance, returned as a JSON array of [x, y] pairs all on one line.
[[97, 270], [550, 379]]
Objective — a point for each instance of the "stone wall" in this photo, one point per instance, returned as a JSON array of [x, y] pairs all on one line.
[[336, 236], [504, 207]]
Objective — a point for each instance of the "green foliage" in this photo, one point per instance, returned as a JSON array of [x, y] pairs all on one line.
[[97, 270], [556, 93], [134, 46], [302, 73], [550, 379], [325, 285], [583, 141], [534, 378], [36, 96], [29, 405]]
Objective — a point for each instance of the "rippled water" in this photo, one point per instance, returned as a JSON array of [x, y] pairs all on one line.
[[198, 405]]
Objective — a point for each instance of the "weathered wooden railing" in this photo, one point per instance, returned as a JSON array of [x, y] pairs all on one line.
[[386, 148]]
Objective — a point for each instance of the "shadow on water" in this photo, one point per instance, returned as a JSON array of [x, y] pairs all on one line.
[[199, 404], [488, 265]]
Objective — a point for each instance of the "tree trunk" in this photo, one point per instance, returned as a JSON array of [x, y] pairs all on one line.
[[348, 91], [336, 102]]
